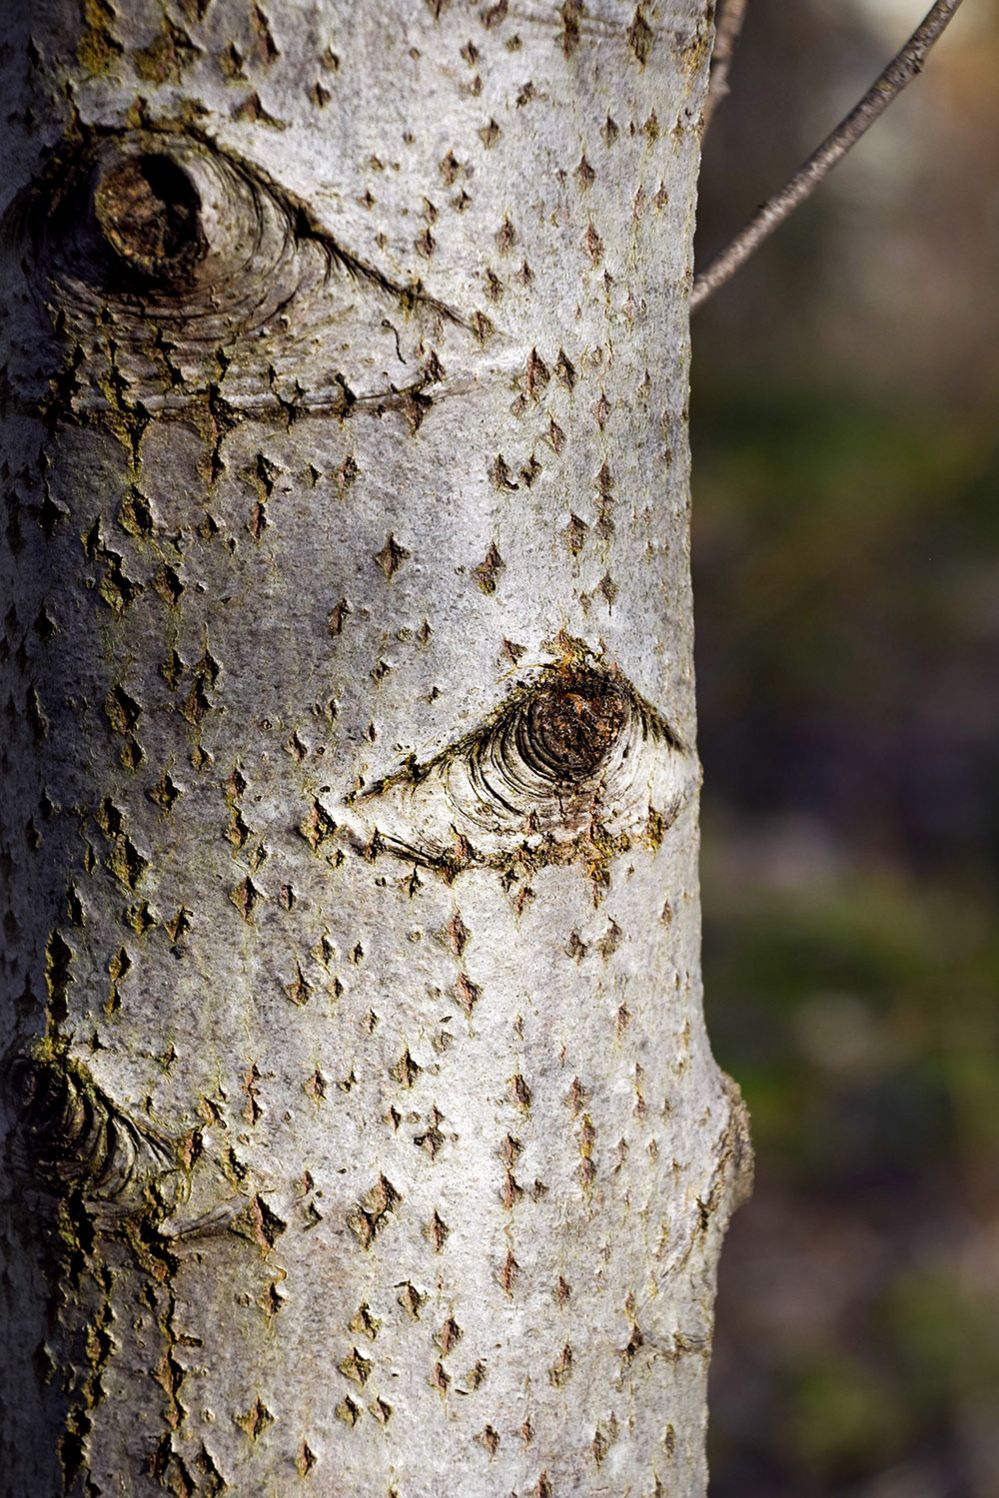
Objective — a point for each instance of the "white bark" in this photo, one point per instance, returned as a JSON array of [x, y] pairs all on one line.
[[364, 1135]]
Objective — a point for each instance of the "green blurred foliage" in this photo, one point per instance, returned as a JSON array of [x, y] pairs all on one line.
[[846, 559]]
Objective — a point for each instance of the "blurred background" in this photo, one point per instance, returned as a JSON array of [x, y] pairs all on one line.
[[846, 560]]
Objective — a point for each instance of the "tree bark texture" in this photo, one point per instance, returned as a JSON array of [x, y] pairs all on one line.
[[362, 1132]]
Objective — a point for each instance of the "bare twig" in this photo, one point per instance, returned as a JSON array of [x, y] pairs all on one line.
[[727, 30], [900, 71]]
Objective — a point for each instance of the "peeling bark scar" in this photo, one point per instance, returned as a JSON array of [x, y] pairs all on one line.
[[159, 266], [574, 765]]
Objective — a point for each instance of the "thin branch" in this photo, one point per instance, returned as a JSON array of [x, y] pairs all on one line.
[[727, 30], [900, 71]]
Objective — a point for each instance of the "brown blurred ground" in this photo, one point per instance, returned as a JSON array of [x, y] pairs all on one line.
[[846, 498]]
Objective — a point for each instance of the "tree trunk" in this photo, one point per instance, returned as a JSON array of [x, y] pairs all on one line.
[[363, 1132]]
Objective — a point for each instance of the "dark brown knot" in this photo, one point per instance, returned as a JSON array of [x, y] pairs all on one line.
[[149, 212], [565, 731]]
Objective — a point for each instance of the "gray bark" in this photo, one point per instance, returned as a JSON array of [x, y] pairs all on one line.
[[362, 1132]]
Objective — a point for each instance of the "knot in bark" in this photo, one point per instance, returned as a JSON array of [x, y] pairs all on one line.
[[566, 731], [148, 209]]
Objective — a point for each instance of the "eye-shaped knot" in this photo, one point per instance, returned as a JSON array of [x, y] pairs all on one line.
[[71, 1136], [550, 752], [178, 266], [572, 758], [158, 225]]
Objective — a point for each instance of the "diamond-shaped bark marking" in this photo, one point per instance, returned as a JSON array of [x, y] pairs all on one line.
[[381, 1410], [371, 1213], [315, 1086], [635, 1343], [500, 475], [510, 1151], [391, 556], [406, 1070], [576, 1096], [475, 1377], [512, 1191], [235, 785], [602, 410], [205, 1465], [178, 925], [170, 53], [168, 585], [348, 1411], [489, 568], [457, 934], [466, 992], [594, 244], [256, 1419], [305, 1459], [436, 1232], [560, 1370], [506, 237], [520, 1090], [126, 862], [449, 1336], [258, 1223], [364, 1322], [237, 831], [489, 1439], [336, 617], [610, 941], [584, 173], [346, 475], [537, 374], [356, 1367], [411, 1300], [116, 589], [440, 1378], [121, 710], [431, 1140], [565, 370], [119, 966], [44, 625], [196, 704], [316, 826], [508, 1273], [140, 917], [299, 990], [172, 669], [246, 896], [575, 534], [252, 1110], [165, 792], [640, 37], [449, 166]]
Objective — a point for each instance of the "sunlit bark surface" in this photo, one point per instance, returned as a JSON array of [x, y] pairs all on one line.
[[362, 1131]]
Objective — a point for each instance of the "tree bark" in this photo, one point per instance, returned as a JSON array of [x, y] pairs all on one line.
[[363, 1134]]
